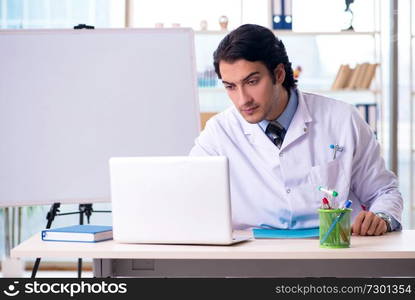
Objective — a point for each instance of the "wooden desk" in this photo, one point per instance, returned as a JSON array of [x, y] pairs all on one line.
[[389, 255]]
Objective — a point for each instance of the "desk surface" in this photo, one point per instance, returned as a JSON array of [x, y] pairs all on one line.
[[395, 245]]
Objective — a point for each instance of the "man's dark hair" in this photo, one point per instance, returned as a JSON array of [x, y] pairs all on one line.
[[255, 43]]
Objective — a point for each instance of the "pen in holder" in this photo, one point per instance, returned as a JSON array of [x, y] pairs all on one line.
[[335, 227], [331, 194]]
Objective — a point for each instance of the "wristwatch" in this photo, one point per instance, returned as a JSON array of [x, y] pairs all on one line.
[[387, 219]]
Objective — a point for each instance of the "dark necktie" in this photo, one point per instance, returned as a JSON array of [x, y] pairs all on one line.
[[276, 132]]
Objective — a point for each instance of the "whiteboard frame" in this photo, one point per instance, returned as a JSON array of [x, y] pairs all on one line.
[[193, 91]]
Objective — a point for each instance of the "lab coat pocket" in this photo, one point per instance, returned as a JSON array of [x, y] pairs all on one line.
[[328, 175]]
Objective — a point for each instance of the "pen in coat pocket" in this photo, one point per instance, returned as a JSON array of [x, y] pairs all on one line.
[[336, 148]]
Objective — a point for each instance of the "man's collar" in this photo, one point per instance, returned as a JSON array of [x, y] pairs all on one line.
[[287, 115]]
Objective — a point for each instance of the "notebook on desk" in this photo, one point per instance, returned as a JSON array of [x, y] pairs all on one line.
[[172, 200]]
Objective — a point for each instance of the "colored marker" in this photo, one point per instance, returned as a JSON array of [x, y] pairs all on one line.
[[326, 203], [328, 192]]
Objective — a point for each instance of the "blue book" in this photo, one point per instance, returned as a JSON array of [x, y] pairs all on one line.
[[78, 233]]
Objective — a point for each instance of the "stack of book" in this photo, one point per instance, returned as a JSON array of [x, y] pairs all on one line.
[[356, 78]]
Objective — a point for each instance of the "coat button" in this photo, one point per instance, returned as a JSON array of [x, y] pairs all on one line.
[[288, 191], [281, 154]]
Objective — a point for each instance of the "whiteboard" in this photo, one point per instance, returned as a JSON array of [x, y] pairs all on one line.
[[71, 99]]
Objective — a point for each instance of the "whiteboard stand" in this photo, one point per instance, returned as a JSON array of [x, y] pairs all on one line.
[[83, 26], [84, 209]]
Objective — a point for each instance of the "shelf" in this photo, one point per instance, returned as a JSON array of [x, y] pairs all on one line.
[[309, 90], [212, 32], [295, 33], [343, 91], [342, 33], [212, 89]]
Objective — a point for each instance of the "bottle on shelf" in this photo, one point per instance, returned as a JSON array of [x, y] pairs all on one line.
[[207, 78]]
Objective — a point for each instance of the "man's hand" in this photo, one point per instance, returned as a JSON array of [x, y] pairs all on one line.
[[367, 223]]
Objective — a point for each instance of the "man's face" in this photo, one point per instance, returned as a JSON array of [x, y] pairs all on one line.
[[250, 87]]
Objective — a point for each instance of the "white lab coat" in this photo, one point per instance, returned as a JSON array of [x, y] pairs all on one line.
[[278, 187]]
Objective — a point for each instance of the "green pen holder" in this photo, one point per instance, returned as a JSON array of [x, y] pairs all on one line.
[[335, 228]]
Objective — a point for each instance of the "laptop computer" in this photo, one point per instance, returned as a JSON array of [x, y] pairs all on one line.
[[172, 200]]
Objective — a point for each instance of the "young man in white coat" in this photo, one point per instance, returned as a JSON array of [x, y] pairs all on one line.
[[277, 140]]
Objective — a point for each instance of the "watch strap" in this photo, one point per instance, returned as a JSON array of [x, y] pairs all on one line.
[[387, 219]]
